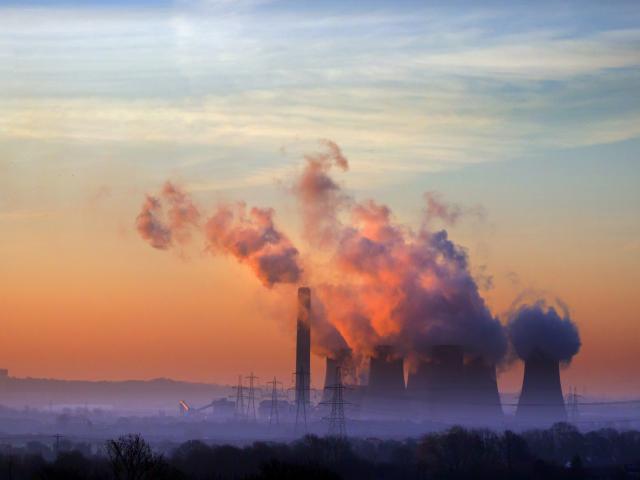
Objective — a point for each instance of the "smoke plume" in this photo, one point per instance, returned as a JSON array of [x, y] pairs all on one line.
[[252, 238], [150, 225], [182, 212], [540, 327], [391, 284], [448, 213], [379, 282], [181, 215], [319, 195]]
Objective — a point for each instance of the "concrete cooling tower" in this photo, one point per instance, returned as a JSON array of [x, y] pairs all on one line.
[[420, 382], [541, 400], [303, 346], [386, 388], [341, 359], [481, 400], [451, 383], [447, 376]]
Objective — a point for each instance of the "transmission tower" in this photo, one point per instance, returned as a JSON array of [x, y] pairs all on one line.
[[274, 415], [240, 412], [302, 398], [251, 398], [573, 404], [337, 420]]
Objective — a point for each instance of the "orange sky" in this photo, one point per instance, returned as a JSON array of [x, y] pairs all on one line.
[[91, 300], [101, 103]]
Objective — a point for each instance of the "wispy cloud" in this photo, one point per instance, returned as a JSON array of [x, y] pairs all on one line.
[[403, 90]]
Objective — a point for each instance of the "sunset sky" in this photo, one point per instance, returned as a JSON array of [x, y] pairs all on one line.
[[527, 114]]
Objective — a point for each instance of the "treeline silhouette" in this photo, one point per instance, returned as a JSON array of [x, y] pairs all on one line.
[[561, 452]]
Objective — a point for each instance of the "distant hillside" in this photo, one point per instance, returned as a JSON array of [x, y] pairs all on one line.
[[132, 395]]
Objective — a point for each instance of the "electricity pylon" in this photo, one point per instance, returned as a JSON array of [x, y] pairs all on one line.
[[240, 412], [337, 420], [251, 398], [274, 415]]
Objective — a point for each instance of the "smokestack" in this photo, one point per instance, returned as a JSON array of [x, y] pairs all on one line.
[[481, 396], [541, 398], [386, 381], [303, 345]]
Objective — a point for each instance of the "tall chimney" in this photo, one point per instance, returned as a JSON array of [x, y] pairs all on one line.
[[303, 346], [541, 398]]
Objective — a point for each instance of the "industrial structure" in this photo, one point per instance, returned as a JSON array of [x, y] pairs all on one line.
[[480, 387], [445, 383], [336, 418], [449, 382], [541, 399], [342, 360], [303, 355], [386, 382]]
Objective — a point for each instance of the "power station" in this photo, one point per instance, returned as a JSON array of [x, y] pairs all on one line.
[[446, 383]]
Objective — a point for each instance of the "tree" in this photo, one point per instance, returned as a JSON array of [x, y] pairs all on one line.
[[131, 458]]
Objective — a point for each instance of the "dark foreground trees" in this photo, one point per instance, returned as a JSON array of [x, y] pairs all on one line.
[[131, 458], [561, 452]]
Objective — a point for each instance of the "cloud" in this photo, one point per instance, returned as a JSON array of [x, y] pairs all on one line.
[[388, 283], [252, 238], [162, 229], [540, 327]]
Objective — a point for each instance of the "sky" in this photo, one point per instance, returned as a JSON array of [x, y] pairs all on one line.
[[530, 112]]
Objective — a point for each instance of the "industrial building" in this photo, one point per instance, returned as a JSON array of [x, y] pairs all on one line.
[[541, 400]]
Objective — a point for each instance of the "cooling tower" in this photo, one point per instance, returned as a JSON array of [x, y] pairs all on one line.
[[386, 373], [541, 398], [420, 381], [447, 379], [418, 394], [386, 383], [303, 345], [481, 399], [342, 358]]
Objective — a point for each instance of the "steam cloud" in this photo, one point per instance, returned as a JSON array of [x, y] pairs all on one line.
[[182, 214], [250, 237], [150, 226], [391, 284], [253, 239], [375, 281], [320, 196], [540, 327]]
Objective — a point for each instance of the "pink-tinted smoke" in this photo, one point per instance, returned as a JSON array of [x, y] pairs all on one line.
[[391, 284], [252, 238], [162, 230], [150, 225], [249, 236], [320, 196], [383, 283]]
